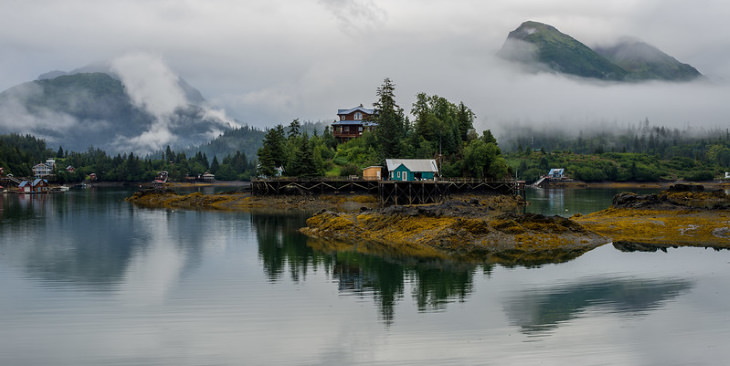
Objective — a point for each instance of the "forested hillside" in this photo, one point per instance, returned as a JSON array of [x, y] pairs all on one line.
[[636, 153]]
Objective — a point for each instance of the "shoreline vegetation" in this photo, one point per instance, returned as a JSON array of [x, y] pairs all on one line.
[[479, 228]]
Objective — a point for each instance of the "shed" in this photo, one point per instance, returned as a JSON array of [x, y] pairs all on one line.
[[24, 187], [208, 177], [372, 173], [411, 169]]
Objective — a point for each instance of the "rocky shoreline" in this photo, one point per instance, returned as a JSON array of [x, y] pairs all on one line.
[[486, 228], [240, 201], [683, 215], [466, 229]]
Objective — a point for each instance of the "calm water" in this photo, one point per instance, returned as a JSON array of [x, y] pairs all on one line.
[[87, 279]]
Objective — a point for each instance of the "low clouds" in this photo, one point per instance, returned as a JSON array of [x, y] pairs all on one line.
[[356, 15], [83, 110], [153, 87], [150, 84], [270, 61]]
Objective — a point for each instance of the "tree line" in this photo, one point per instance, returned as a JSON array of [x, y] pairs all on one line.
[[440, 130], [642, 153], [19, 153]]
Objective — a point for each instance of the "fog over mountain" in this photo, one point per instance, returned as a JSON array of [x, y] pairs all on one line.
[[541, 47], [133, 103], [267, 62]]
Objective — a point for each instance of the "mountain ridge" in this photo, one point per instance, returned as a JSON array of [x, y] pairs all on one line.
[[93, 107], [542, 47]]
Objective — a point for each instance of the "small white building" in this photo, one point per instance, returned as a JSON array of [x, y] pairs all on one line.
[[208, 177]]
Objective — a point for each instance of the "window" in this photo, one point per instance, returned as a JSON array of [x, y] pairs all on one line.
[[358, 116]]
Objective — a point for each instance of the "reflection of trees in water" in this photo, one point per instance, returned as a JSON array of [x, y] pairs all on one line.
[[89, 238], [539, 311], [437, 286], [282, 246], [83, 246], [370, 275], [435, 282]]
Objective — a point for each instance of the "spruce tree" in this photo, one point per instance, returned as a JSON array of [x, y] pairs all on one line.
[[390, 119]]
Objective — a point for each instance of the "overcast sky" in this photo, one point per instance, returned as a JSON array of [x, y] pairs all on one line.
[[270, 61]]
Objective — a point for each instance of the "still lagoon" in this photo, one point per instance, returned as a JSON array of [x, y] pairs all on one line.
[[88, 279]]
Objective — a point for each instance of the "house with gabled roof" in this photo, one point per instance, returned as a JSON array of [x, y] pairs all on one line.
[[35, 186], [352, 123], [42, 170], [408, 170]]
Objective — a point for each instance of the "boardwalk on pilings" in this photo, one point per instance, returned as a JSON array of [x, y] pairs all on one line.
[[311, 186], [389, 192]]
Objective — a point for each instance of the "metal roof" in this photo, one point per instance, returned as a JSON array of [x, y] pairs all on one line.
[[414, 165], [360, 123], [560, 171], [360, 108]]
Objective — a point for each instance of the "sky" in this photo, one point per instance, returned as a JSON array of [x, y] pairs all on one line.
[[267, 62]]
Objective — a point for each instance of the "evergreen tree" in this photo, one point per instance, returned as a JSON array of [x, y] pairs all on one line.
[[215, 165], [294, 128], [267, 165], [276, 142], [390, 119]]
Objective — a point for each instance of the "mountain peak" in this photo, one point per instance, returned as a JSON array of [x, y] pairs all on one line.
[[646, 62], [543, 47], [119, 110]]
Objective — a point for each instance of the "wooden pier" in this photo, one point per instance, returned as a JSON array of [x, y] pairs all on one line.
[[312, 186], [390, 192]]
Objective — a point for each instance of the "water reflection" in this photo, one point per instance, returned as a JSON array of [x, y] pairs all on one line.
[[434, 284], [66, 243], [93, 239], [569, 201], [539, 311], [280, 245]]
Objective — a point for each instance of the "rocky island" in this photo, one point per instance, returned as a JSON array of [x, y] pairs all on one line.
[[683, 215], [485, 228], [491, 228]]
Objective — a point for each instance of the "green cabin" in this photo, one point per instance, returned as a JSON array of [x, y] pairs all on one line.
[[410, 170]]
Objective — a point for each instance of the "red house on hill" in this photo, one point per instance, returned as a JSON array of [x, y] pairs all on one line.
[[352, 123]]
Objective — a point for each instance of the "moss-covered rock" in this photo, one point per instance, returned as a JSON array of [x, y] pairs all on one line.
[[480, 234]]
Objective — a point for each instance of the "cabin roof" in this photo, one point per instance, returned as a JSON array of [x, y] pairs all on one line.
[[360, 108], [414, 165], [357, 123]]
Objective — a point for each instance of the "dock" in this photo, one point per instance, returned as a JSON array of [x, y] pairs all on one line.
[[390, 192]]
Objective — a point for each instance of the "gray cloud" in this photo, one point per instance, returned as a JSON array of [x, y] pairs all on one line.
[[270, 61]]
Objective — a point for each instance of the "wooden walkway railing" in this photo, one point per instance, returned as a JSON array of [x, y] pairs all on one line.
[[390, 192]]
